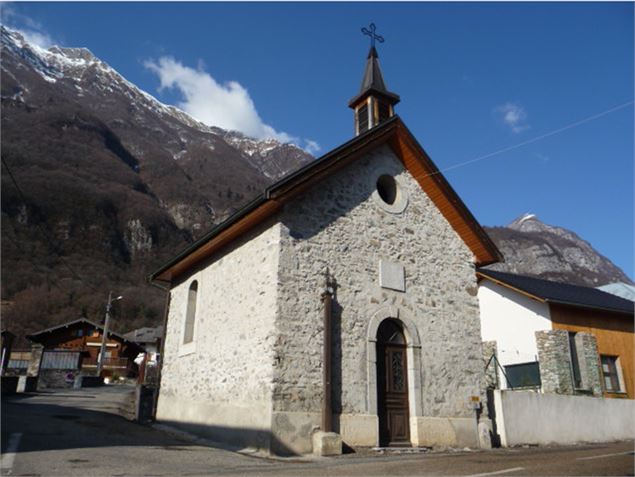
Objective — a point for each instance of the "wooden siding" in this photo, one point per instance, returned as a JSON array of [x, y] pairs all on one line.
[[89, 343], [614, 333]]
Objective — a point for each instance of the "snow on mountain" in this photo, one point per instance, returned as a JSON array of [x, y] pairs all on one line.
[[76, 91], [76, 65], [533, 248]]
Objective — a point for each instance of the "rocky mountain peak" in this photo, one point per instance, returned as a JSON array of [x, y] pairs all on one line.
[[117, 182], [527, 223], [83, 54], [533, 248]]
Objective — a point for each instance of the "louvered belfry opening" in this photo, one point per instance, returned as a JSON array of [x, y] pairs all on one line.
[[362, 118], [374, 104]]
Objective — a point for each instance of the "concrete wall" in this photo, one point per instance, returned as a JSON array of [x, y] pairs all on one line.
[[511, 319], [524, 417], [220, 385], [343, 225]]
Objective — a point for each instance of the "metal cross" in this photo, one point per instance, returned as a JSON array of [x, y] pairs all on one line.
[[373, 36]]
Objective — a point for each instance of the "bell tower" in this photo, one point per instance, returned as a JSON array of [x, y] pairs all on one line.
[[374, 104]]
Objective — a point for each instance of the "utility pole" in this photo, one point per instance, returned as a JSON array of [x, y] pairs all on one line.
[[104, 338]]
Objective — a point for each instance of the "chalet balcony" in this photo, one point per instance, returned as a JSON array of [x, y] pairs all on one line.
[[109, 363]]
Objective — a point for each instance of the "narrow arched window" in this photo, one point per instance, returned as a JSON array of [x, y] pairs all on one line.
[[190, 313]]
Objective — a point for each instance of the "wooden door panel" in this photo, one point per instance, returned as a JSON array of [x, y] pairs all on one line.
[[394, 422], [398, 426]]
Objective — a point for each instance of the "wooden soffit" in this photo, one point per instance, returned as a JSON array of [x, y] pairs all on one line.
[[392, 132]]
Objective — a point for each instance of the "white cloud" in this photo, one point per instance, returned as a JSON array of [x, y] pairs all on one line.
[[513, 115], [311, 146], [32, 31], [227, 106], [36, 38]]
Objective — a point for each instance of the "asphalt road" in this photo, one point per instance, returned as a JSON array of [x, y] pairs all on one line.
[[76, 433]]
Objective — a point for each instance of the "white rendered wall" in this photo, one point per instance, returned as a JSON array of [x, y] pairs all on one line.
[[524, 417], [511, 319], [220, 385]]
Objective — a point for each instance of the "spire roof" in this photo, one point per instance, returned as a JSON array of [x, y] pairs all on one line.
[[373, 81]]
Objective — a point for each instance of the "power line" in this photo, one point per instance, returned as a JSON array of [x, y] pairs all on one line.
[[44, 232], [535, 139]]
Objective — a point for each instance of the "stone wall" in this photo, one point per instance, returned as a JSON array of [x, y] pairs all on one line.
[[341, 224], [220, 385], [589, 360], [56, 378], [489, 360], [555, 361], [37, 350], [554, 353]]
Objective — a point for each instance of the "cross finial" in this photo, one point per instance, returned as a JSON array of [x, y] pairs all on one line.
[[373, 36]]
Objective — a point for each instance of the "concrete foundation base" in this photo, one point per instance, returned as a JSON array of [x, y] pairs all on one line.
[[359, 429], [254, 425], [326, 444], [485, 430], [447, 432], [238, 427]]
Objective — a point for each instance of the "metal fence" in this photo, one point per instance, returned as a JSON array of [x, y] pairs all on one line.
[[60, 360], [18, 364]]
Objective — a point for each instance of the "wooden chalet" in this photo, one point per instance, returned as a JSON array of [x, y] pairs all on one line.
[[85, 337]]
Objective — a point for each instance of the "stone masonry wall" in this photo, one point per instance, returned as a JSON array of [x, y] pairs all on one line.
[[224, 378], [56, 378], [37, 350], [555, 361], [341, 225], [489, 360], [589, 360]]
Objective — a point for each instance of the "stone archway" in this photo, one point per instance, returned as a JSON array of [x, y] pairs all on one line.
[[413, 359]]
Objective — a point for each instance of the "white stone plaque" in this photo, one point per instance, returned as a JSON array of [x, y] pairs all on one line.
[[392, 275]]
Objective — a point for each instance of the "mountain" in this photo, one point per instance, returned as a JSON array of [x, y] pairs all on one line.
[[111, 183], [111, 180], [533, 248]]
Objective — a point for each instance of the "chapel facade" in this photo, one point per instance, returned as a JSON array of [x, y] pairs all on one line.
[[374, 226]]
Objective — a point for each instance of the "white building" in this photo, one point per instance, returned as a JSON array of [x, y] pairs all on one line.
[[554, 336]]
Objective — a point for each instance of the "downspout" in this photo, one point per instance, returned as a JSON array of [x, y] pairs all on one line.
[[327, 404]]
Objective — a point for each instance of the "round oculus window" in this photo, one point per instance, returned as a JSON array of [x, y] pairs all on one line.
[[389, 195], [387, 189]]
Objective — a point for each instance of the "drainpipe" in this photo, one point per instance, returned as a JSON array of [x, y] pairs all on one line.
[[327, 407]]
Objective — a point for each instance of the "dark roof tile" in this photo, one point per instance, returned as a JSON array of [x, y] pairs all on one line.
[[562, 293]]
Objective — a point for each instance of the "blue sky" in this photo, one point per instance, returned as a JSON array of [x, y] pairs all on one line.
[[474, 78]]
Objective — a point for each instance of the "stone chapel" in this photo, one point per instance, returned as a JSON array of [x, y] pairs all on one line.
[[342, 301]]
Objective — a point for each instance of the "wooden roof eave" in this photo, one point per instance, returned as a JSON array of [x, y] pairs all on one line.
[[589, 307], [270, 202], [201, 251], [508, 286], [407, 149], [430, 179]]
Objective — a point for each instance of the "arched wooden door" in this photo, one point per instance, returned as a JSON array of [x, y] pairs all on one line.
[[392, 385]]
